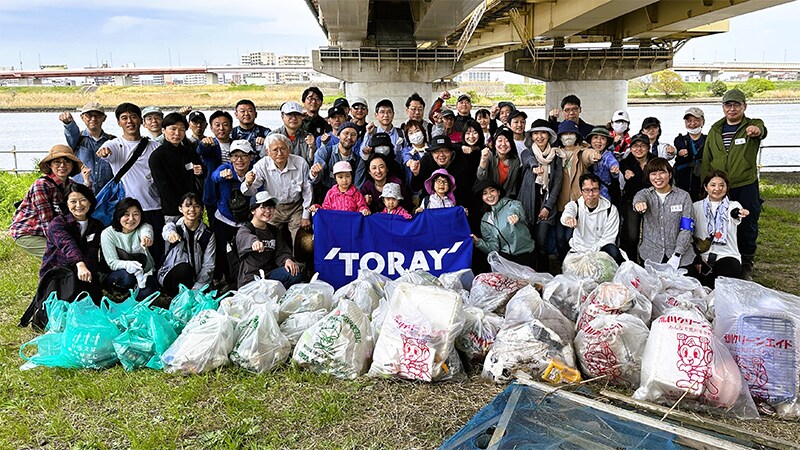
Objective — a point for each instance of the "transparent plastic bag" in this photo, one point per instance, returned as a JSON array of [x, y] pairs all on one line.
[[366, 290], [614, 298], [306, 297], [530, 347], [518, 271], [490, 291], [477, 337], [612, 345], [637, 277], [297, 323], [417, 337], [340, 344], [260, 346], [567, 293], [527, 306], [682, 356], [676, 289], [237, 306], [264, 290], [598, 266], [204, 344], [460, 279], [419, 277], [761, 328]]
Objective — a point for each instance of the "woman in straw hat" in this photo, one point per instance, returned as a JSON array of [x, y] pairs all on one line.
[[43, 200]]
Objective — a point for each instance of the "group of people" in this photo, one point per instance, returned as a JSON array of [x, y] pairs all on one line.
[[530, 193]]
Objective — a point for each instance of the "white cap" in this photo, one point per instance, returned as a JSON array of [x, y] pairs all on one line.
[[291, 108], [241, 145], [391, 190], [358, 101], [342, 166], [620, 115]]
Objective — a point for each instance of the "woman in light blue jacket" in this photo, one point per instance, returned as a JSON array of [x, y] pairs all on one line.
[[504, 226]]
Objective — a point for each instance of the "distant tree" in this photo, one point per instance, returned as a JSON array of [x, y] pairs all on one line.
[[718, 88], [669, 82], [756, 85], [643, 84]]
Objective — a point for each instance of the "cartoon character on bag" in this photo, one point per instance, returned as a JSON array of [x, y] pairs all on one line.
[[601, 360], [415, 361], [755, 374], [694, 359], [328, 333]]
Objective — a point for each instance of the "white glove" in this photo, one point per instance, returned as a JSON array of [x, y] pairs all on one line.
[[674, 261], [141, 279], [133, 266]]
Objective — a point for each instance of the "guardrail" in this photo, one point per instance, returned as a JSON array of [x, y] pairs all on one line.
[[760, 165], [14, 152]]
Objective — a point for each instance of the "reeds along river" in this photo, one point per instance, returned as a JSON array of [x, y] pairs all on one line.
[[40, 131]]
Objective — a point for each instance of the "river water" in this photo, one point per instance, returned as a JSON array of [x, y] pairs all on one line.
[[37, 132]]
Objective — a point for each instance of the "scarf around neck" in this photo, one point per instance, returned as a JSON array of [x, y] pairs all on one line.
[[717, 223], [544, 158]]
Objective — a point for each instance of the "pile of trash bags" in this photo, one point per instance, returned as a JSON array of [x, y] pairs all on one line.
[[650, 329]]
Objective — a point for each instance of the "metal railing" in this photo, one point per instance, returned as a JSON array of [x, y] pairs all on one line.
[[14, 152], [761, 165]]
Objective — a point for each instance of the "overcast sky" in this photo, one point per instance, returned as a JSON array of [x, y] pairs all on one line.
[[197, 32]]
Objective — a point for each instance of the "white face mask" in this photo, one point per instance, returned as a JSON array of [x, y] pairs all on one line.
[[697, 130], [416, 138], [568, 140], [619, 127], [383, 149]]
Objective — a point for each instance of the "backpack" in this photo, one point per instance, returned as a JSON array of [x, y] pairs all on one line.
[[61, 280], [239, 204]]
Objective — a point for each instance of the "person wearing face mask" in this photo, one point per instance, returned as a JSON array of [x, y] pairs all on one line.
[[690, 153], [620, 133], [417, 146], [381, 143]]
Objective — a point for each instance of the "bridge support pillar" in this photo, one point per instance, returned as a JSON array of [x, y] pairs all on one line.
[[212, 78], [123, 80], [32, 81], [375, 74], [599, 77]]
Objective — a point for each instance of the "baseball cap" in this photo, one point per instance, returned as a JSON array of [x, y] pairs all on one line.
[[620, 115], [640, 138], [464, 97], [196, 116], [440, 141], [336, 111], [696, 112], [342, 166], [241, 145], [92, 106], [347, 124], [152, 110], [358, 101], [734, 95], [448, 113], [291, 108], [261, 198], [341, 102]]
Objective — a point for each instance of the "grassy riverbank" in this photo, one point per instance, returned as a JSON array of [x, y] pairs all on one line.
[[60, 98], [233, 409]]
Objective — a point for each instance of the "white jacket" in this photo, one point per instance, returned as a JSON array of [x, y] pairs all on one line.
[[731, 250], [595, 229]]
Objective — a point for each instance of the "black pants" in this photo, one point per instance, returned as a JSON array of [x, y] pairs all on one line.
[[631, 231], [224, 234], [724, 267], [541, 234], [182, 273], [613, 252], [156, 220], [747, 231], [527, 259]]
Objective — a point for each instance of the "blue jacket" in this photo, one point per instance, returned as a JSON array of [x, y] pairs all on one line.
[[86, 151], [225, 186], [328, 156]]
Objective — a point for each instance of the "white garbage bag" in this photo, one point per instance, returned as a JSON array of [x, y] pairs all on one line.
[[264, 290], [340, 344], [637, 277], [261, 346], [417, 336], [237, 306], [527, 305], [419, 277], [477, 337], [598, 266], [567, 293], [682, 356], [529, 347], [306, 297], [518, 271], [366, 290], [297, 323], [614, 298], [460, 279], [491, 291], [676, 289], [612, 345], [203, 345], [761, 328]]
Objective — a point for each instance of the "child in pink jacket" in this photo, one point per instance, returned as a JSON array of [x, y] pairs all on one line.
[[344, 196], [391, 199]]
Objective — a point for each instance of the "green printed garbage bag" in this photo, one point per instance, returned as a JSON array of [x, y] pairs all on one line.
[[189, 302], [56, 313], [148, 336], [116, 311], [87, 340]]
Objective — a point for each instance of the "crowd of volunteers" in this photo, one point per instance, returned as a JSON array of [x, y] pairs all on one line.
[[214, 201]]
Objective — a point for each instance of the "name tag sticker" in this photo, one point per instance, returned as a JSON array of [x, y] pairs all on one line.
[[189, 166], [90, 237], [676, 208], [739, 141]]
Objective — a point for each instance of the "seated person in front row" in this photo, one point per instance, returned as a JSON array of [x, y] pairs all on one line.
[[391, 199], [503, 226], [595, 220], [124, 247], [263, 247], [190, 251], [343, 196]]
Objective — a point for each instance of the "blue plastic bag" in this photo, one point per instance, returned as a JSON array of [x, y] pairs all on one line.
[[107, 200]]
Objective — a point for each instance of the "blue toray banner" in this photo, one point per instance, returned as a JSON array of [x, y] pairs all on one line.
[[436, 241]]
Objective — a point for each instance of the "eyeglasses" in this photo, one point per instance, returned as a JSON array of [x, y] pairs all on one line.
[[441, 181], [240, 156], [571, 110], [358, 107], [590, 191], [732, 105], [313, 99], [61, 162]]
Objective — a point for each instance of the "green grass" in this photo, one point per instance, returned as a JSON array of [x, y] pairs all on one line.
[[13, 188], [769, 190]]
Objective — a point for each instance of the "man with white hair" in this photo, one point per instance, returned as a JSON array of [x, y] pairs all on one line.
[[284, 176], [301, 142]]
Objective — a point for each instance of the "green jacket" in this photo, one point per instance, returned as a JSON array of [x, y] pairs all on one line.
[[501, 236], [739, 163]]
